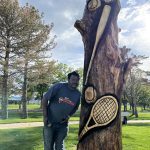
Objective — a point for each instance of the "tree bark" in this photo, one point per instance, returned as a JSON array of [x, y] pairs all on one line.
[[5, 83], [132, 108], [107, 73], [4, 103], [24, 93], [135, 109], [41, 97]]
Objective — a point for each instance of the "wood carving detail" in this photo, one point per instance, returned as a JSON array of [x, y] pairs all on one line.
[[90, 94], [93, 4], [103, 112], [104, 69]]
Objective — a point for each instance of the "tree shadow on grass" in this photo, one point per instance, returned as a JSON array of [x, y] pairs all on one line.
[[127, 136], [35, 114]]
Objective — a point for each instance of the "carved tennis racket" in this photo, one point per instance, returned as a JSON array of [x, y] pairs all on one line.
[[103, 112]]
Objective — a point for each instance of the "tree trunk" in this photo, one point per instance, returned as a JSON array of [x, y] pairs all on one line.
[[130, 106], [104, 71], [5, 85], [136, 112], [135, 109], [24, 94], [4, 103], [41, 96], [124, 101], [125, 107], [20, 106]]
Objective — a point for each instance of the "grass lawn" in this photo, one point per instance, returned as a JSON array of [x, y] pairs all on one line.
[[142, 116], [14, 117], [135, 137], [29, 106], [24, 139], [34, 114]]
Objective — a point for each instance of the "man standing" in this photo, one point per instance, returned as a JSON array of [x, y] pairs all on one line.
[[59, 103]]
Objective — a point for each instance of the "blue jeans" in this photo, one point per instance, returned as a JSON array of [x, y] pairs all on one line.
[[54, 136]]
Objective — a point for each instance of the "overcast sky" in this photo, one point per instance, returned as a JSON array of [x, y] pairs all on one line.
[[133, 19]]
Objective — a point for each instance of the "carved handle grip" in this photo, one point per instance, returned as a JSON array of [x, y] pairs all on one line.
[[83, 132]]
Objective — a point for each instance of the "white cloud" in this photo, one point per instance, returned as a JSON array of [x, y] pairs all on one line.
[[135, 25], [146, 64], [70, 36], [133, 20], [68, 15], [70, 48], [131, 2]]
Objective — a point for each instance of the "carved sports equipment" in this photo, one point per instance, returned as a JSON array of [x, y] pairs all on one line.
[[103, 112]]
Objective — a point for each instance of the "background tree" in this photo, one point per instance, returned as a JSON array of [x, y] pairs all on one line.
[[36, 37], [133, 89], [144, 97], [41, 88], [134, 80], [61, 72], [41, 76], [124, 101], [10, 26], [80, 71], [21, 32]]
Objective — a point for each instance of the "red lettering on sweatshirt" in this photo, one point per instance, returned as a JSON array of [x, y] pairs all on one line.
[[66, 100]]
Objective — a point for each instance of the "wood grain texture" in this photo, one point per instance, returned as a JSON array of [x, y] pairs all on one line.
[[107, 74]]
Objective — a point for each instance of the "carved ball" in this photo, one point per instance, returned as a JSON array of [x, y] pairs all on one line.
[[90, 94]]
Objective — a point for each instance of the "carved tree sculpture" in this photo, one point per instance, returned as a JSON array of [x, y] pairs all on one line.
[[105, 72]]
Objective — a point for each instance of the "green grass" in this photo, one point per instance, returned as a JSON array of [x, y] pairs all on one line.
[[135, 137], [15, 117], [24, 139], [142, 116], [139, 109], [34, 115], [29, 106], [72, 139], [31, 139]]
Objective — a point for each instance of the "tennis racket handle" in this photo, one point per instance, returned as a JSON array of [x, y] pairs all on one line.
[[83, 132]]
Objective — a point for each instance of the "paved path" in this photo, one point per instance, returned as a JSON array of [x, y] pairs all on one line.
[[138, 121], [38, 124], [28, 124]]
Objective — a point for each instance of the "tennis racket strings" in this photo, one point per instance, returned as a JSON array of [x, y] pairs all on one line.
[[103, 112]]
